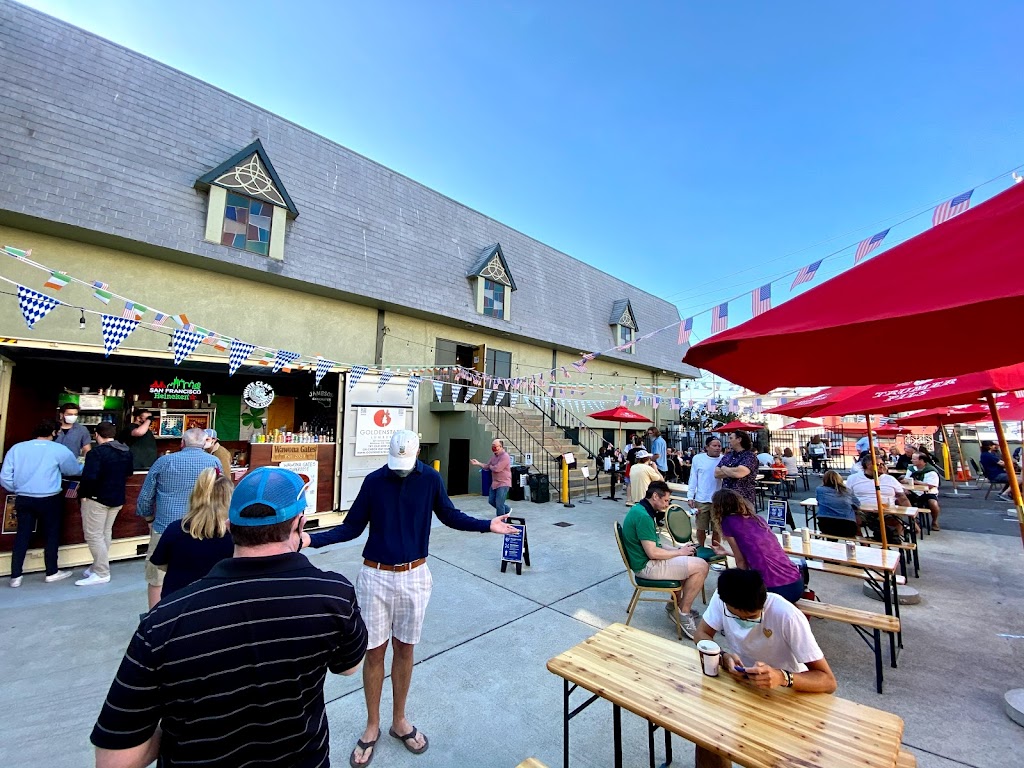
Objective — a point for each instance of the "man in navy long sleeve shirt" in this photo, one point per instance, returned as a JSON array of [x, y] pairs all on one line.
[[393, 587]]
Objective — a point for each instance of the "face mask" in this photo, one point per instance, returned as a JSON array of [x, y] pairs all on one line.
[[402, 472], [71, 419], [746, 623]]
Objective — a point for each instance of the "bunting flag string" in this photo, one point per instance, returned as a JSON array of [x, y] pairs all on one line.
[[284, 358], [471, 393], [323, 365], [952, 207], [457, 390], [685, 329], [184, 343], [355, 374], [514, 398], [57, 280], [805, 274], [385, 376], [622, 401], [438, 389], [868, 245], [114, 331], [34, 305], [239, 353]]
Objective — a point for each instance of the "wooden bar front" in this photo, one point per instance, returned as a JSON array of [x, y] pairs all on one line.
[[272, 454]]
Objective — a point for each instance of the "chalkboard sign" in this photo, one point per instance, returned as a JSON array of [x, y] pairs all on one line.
[[515, 548], [777, 509], [512, 546]]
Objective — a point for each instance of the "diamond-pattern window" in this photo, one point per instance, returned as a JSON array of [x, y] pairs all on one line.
[[494, 299], [247, 224]]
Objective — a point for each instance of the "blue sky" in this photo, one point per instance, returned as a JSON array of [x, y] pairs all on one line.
[[697, 150]]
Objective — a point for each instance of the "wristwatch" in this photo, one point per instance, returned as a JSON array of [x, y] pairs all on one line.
[[789, 678]]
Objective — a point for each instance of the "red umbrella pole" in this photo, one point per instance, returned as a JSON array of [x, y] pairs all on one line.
[[1007, 461], [878, 488]]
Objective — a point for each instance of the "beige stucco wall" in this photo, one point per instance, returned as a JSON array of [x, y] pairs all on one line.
[[262, 314]]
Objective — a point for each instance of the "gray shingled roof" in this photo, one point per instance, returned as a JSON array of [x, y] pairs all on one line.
[[108, 143], [485, 258]]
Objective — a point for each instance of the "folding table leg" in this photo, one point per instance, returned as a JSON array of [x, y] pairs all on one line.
[[878, 660], [617, 733], [565, 724], [651, 728], [668, 747]]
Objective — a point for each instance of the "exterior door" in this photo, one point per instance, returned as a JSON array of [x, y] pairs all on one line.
[[458, 467], [479, 365]]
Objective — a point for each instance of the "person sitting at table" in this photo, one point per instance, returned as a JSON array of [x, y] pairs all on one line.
[[754, 545], [770, 641], [818, 453], [862, 485], [924, 473], [779, 470], [789, 462], [995, 468], [905, 459], [641, 475], [650, 559], [838, 507], [764, 458]]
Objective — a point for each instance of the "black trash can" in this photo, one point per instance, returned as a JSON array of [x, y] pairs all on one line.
[[515, 493], [540, 492]]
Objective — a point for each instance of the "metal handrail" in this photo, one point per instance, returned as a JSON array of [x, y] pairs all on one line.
[[566, 420], [523, 440]]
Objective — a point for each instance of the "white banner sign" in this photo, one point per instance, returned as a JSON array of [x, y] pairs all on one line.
[[375, 426], [307, 470]]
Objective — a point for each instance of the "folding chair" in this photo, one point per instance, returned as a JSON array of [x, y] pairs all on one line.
[[680, 528], [647, 585], [982, 476]]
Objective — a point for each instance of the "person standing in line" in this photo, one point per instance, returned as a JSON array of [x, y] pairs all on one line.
[[101, 492], [500, 467], [398, 502], [818, 452], [190, 547], [659, 450], [702, 486], [229, 672], [72, 435], [214, 448], [32, 472], [165, 494]]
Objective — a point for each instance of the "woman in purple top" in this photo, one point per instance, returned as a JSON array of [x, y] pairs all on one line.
[[738, 469], [754, 545]]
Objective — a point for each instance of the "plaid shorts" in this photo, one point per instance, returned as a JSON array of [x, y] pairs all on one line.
[[393, 603]]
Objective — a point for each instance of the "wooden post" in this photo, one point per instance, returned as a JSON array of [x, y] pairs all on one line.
[[878, 488], [1007, 461]]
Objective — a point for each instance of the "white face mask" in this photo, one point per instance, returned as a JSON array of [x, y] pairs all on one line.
[[70, 419]]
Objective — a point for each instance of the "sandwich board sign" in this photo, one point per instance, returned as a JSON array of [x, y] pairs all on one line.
[[515, 548], [777, 509]]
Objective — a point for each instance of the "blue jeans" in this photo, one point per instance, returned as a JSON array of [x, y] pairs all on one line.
[[496, 499]]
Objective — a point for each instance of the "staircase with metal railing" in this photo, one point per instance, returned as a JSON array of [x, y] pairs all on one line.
[[571, 426]]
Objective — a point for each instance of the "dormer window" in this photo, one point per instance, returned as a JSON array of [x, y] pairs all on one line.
[[493, 283], [624, 326], [248, 204]]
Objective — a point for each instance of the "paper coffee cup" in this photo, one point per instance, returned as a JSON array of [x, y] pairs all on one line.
[[710, 657]]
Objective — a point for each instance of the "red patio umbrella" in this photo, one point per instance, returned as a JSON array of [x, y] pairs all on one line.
[[621, 414], [939, 417], [947, 296], [802, 406], [732, 426], [804, 424]]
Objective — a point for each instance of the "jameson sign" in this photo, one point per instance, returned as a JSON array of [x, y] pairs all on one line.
[[177, 389]]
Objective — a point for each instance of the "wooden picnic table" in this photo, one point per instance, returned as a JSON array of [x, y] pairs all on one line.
[[660, 680]]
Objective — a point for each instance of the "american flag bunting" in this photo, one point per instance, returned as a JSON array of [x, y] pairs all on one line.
[[720, 317], [685, 329], [805, 274], [761, 299], [868, 245], [952, 207]]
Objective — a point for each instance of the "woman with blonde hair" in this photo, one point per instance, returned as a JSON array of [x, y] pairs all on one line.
[[754, 545], [838, 507], [189, 548]]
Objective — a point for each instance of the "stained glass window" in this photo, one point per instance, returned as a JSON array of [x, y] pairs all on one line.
[[247, 224], [494, 299], [625, 336]]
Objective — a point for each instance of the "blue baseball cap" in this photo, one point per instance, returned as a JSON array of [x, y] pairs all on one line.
[[280, 489]]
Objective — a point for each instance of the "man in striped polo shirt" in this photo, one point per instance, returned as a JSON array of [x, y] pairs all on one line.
[[398, 502], [230, 671]]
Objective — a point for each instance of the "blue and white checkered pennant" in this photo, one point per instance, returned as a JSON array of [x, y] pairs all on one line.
[[385, 377], [184, 343], [323, 365], [240, 352], [34, 305], [515, 398], [414, 382], [115, 330], [283, 358], [354, 375], [438, 390], [471, 392]]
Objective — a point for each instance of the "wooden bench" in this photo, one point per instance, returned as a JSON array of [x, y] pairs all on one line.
[[905, 760], [903, 548], [533, 762], [869, 626], [857, 573]]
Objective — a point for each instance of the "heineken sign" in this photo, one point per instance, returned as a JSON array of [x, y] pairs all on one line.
[[177, 389]]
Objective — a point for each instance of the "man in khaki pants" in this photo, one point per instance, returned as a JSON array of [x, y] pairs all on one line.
[[102, 495]]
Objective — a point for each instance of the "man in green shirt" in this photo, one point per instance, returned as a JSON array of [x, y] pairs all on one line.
[[650, 560]]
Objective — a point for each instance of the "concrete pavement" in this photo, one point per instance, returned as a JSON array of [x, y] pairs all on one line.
[[480, 688]]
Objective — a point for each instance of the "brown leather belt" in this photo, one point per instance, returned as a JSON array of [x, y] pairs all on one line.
[[399, 567]]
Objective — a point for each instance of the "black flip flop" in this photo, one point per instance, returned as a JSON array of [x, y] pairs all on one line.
[[364, 745], [411, 736]]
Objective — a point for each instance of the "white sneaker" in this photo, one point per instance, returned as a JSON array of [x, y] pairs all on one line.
[[91, 579], [58, 576], [16, 582]]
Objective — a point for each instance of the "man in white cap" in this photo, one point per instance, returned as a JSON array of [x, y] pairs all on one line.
[[393, 586]]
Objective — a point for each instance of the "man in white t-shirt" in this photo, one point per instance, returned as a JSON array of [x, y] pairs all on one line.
[[702, 486], [862, 485], [770, 644]]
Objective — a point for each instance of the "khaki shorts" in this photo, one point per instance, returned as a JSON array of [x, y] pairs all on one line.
[[676, 569], [703, 522], [154, 576]]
